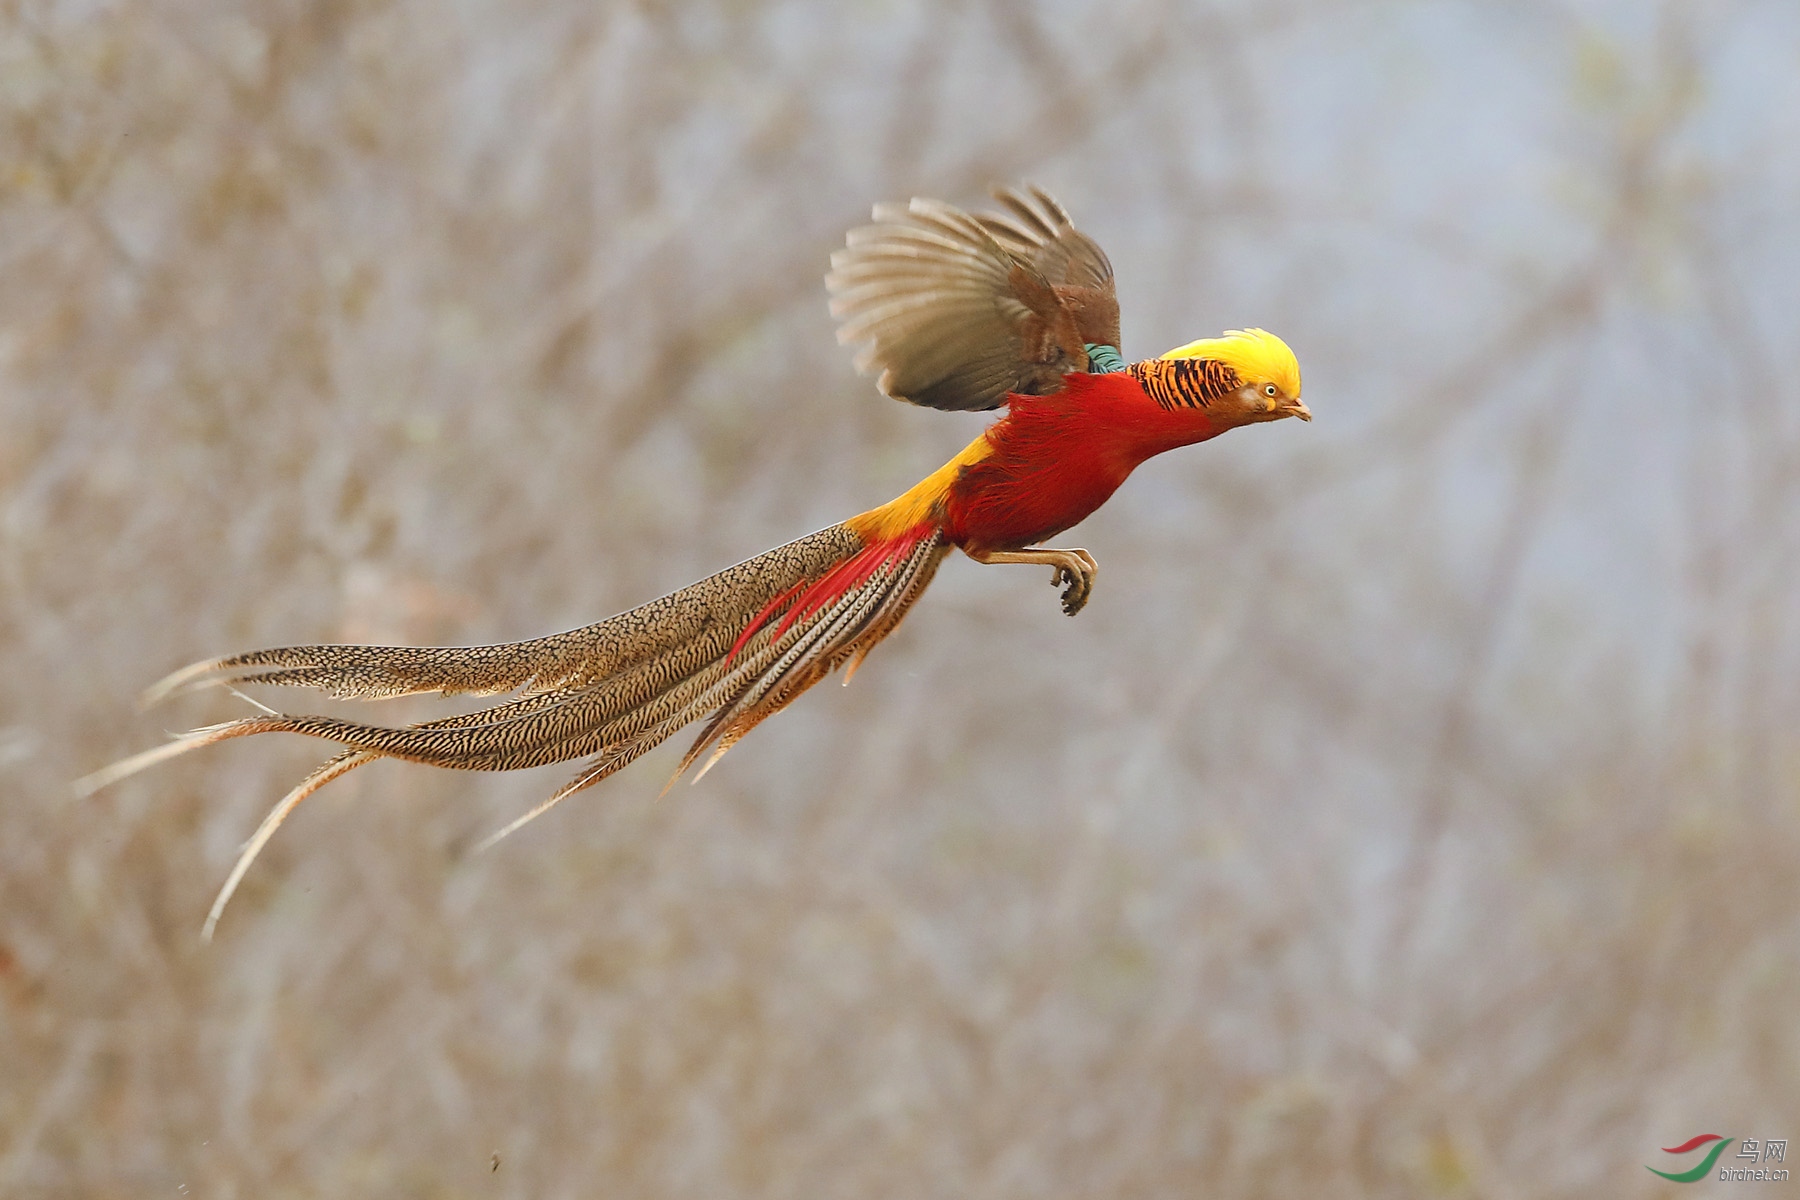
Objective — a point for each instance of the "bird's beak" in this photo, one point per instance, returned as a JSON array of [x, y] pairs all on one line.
[[1298, 409]]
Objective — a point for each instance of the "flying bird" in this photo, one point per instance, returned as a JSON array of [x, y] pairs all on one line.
[[1013, 309]]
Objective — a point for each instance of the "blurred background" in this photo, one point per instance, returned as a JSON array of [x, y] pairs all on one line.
[[1414, 811]]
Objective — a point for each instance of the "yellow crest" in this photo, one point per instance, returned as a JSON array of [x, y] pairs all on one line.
[[1255, 354]]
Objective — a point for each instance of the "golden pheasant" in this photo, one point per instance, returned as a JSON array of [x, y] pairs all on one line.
[[1013, 309]]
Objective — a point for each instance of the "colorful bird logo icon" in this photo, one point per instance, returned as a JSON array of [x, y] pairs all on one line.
[[1705, 1165]]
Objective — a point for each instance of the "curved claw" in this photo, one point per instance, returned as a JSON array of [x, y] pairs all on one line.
[[1080, 587], [1074, 572]]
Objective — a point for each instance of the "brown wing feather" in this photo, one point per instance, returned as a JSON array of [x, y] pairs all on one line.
[[959, 310], [1036, 229]]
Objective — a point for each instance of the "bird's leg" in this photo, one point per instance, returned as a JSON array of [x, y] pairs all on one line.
[[1074, 567]]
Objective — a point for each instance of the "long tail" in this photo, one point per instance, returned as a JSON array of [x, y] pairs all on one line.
[[737, 646]]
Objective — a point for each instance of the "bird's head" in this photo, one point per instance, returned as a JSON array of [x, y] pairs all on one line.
[[1249, 375]]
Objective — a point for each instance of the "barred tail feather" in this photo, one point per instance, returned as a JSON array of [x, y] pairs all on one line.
[[194, 739], [782, 661], [738, 646], [541, 664], [848, 630], [324, 774]]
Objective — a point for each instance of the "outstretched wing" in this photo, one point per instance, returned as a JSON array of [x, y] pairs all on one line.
[[959, 310]]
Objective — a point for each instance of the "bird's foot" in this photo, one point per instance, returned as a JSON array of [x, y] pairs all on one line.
[[1071, 570], [1074, 571]]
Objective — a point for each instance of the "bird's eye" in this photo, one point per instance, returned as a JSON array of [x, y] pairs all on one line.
[[1268, 389]]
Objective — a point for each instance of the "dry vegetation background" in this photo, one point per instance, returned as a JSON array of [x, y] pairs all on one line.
[[1414, 812]]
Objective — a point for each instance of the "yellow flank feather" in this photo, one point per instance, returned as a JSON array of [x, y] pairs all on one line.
[[1257, 355], [921, 501]]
